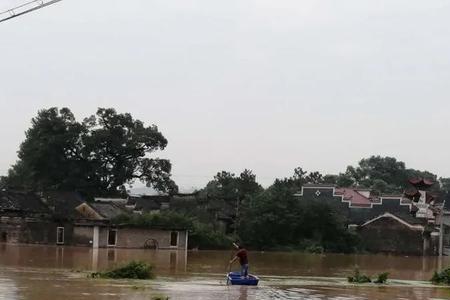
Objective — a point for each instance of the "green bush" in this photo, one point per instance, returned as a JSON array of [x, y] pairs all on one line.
[[382, 278], [164, 220], [159, 297], [315, 249], [441, 277], [358, 278], [133, 270], [204, 237]]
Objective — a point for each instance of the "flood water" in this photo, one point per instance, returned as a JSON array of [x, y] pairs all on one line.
[[45, 272]]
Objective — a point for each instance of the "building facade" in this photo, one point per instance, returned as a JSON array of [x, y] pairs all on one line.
[[403, 224], [66, 219]]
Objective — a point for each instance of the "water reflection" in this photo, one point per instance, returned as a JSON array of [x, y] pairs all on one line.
[[24, 275], [243, 293], [8, 288], [201, 262]]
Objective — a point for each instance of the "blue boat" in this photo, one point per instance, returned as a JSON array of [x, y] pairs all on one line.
[[235, 279]]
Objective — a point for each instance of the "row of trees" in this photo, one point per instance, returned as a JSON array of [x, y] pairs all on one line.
[[272, 218], [105, 152]]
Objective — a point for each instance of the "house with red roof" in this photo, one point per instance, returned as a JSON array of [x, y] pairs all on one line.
[[403, 223]]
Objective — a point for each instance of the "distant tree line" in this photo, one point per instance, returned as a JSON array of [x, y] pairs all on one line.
[[105, 152], [272, 218]]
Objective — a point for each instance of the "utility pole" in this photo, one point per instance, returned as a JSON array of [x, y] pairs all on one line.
[[441, 230], [24, 9]]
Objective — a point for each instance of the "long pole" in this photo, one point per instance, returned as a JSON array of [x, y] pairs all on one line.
[[441, 231], [24, 9]]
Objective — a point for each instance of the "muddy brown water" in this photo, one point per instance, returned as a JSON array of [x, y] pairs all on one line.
[[45, 272]]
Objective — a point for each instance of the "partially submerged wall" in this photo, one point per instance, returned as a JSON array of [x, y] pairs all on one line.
[[391, 236]]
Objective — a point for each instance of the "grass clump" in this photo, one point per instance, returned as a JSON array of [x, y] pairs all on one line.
[[441, 277], [382, 278], [358, 278], [160, 297], [133, 270], [317, 249]]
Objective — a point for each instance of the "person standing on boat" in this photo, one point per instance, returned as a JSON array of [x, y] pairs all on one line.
[[243, 259]]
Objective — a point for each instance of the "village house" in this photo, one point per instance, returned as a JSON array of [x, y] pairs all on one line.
[[25, 218], [403, 223], [65, 218], [95, 228]]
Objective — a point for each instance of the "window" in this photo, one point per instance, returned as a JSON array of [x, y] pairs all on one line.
[[60, 235], [174, 239], [112, 237]]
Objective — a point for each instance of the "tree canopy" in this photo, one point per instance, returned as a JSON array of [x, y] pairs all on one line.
[[97, 156]]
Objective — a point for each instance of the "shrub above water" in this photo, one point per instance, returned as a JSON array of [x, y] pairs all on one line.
[[133, 270], [382, 278], [358, 278], [441, 277]]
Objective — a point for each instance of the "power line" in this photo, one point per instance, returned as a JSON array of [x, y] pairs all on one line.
[[25, 8]]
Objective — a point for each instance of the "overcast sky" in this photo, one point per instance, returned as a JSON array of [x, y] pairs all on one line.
[[258, 84]]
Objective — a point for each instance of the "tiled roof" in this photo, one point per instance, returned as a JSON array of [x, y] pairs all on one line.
[[108, 210], [148, 203], [22, 202], [64, 203], [422, 182], [402, 217], [355, 197]]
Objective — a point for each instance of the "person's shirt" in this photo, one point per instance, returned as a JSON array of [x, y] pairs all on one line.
[[242, 255]]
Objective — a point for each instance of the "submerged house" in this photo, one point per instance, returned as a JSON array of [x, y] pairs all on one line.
[[95, 228], [404, 224], [25, 218], [65, 218]]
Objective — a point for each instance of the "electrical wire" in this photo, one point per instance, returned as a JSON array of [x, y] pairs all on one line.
[[24, 9]]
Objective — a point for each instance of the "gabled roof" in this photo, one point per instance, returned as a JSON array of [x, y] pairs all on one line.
[[108, 210], [100, 210], [407, 220]]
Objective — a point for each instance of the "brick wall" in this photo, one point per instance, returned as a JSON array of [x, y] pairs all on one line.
[[389, 235], [128, 237], [136, 238], [28, 230]]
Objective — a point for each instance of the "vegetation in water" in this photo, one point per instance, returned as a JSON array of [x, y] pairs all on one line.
[[382, 278], [442, 277], [133, 270], [359, 278], [160, 297], [315, 249], [163, 220]]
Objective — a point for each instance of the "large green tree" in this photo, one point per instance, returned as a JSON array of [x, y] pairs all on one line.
[[224, 194], [276, 218], [98, 156], [382, 174]]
